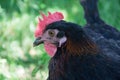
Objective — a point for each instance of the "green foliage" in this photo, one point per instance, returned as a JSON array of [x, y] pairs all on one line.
[[19, 60], [2, 77]]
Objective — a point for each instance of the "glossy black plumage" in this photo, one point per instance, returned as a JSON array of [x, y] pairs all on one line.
[[103, 63]]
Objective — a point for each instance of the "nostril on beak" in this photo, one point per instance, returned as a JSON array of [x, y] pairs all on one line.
[[37, 42]]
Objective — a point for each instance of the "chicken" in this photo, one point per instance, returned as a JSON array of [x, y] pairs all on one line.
[[89, 53]]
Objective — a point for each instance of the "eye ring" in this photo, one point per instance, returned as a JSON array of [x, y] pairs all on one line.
[[51, 33]]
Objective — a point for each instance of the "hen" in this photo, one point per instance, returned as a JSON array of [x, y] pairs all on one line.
[[89, 53]]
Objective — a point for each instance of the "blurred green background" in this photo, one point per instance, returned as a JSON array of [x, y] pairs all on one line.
[[19, 60]]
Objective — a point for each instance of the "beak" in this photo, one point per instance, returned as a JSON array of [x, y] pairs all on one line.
[[37, 42]]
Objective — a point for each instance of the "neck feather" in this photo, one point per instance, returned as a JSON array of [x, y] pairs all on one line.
[[81, 47]]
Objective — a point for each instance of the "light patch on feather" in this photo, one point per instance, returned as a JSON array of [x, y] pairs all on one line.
[[62, 41]]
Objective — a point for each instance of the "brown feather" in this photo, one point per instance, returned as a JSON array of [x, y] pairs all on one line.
[[84, 46]]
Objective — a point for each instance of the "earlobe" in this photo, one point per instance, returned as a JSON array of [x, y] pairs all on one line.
[[62, 41]]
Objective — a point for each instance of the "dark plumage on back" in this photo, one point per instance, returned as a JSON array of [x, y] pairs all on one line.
[[99, 30], [95, 23]]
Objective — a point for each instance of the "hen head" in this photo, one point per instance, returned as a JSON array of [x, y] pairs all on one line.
[[51, 42], [59, 34]]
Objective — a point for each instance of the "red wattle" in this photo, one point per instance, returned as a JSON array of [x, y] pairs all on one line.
[[50, 48]]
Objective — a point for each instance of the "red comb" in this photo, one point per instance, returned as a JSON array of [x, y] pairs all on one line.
[[57, 16]]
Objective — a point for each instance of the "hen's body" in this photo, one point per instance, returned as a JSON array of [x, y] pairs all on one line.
[[102, 65]]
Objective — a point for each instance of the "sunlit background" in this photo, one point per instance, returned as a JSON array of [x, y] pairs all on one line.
[[19, 60]]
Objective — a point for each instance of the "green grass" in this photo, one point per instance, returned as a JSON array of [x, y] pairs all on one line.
[[19, 60]]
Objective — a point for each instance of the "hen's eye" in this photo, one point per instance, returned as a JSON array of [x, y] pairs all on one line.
[[51, 33]]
